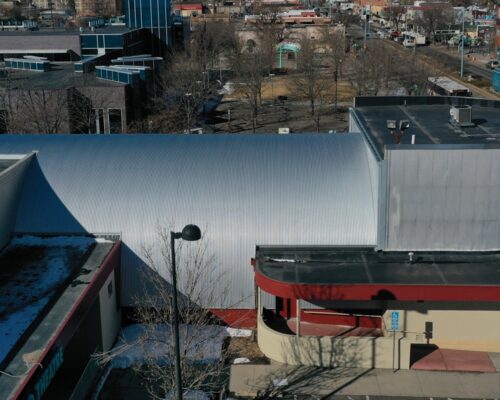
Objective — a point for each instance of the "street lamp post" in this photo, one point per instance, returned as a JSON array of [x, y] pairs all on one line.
[[190, 233], [188, 99], [272, 87]]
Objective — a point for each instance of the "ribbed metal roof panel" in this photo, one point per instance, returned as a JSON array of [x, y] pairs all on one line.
[[242, 190], [443, 199]]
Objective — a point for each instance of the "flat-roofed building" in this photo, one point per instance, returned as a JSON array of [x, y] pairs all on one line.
[[388, 234]]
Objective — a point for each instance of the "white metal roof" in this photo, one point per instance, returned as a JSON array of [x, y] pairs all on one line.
[[242, 190]]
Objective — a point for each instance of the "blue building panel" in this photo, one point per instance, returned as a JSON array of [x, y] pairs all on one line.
[[27, 64], [496, 80], [154, 15]]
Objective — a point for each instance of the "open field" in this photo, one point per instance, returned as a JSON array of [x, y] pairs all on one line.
[[282, 86]]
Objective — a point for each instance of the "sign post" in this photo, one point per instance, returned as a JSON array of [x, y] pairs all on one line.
[[394, 328]]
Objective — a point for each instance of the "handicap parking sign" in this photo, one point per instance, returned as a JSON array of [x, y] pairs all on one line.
[[395, 320]]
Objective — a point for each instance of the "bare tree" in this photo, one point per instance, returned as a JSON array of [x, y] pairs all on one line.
[[335, 48], [250, 66], [308, 83], [372, 68], [269, 35], [199, 283], [182, 89], [432, 19], [33, 110], [209, 42], [396, 15], [311, 83], [346, 18]]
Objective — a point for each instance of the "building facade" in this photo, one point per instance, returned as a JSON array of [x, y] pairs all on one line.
[[90, 8], [153, 15]]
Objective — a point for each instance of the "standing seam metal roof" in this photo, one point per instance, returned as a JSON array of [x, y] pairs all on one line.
[[242, 190]]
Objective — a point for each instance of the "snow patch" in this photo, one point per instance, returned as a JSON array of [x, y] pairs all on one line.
[[233, 332], [140, 344], [82, 242], [280, 382], [14, 324], [20, 305], [188, 395], [241, 360]]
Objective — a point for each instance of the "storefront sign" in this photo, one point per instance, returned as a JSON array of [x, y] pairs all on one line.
[[48, 374]]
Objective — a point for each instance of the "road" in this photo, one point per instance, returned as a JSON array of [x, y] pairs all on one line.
[[449, 61]]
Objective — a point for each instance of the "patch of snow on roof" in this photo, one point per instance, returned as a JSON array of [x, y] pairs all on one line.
[[56, 241], [40, 278], [14, 324]]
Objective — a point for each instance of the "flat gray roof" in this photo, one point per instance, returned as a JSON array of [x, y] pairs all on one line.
[[67, 32], [36, 293], [429, 118], [59, 76], [351, 265]]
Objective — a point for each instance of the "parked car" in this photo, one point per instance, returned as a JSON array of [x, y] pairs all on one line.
[[492, 64], [394, 34], [409, 42]]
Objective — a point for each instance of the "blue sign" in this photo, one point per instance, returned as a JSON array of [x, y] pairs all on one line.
[[47, 376], [394, 320]]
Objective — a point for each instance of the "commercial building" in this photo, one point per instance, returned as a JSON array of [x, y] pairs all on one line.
[[58, 301], [61, 100], [154, 16], [370, 248], [71, 46], [40, 92], [431, 274]]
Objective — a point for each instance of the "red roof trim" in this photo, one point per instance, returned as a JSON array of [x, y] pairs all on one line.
[[378, 291]]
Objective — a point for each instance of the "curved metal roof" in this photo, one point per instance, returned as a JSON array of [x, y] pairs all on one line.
[[242, 190]]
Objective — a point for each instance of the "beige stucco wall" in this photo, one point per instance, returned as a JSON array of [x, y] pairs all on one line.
[[352, 352], [454, 329], [110, 314]]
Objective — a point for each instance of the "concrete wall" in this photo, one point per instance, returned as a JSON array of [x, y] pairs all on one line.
[[452, 329], [11, 181], [110, 314], [351, 352], [113, 98]]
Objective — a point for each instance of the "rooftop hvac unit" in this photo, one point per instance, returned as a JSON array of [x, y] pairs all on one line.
[[461, 116]]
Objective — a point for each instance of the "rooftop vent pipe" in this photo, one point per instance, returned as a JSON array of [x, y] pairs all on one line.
[[461, 116]]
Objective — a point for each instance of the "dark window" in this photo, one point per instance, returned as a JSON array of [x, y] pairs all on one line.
[[115, 121], [3, 121], [89, 41], [110, 288]]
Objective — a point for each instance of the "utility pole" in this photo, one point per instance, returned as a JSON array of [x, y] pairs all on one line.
[[462, 44], [364, 36]]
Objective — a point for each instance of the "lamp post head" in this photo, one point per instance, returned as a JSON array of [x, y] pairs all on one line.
[[191, 233]]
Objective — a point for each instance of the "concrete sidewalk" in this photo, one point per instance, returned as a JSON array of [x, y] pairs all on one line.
[[316, 383]]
